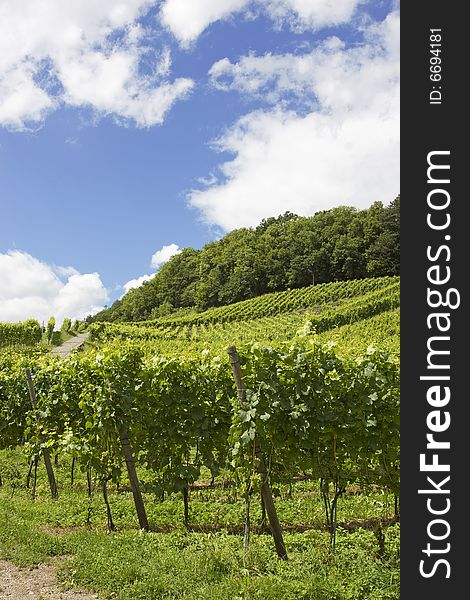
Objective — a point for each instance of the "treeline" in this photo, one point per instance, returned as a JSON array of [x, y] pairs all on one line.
[[281, 253]]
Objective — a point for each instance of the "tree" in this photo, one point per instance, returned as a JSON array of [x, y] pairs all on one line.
[[282, 252], [66, 325], [50, 329], [383, 236]]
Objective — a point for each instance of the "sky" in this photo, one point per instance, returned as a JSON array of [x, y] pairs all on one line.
[[132, 129]]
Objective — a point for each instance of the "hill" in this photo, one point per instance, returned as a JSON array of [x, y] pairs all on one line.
[[354, 314], [287, 252]]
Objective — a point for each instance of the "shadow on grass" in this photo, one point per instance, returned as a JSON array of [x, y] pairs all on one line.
[[238, 529]]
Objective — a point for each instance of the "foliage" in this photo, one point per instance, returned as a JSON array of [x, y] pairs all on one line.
[[27, 333], [318, 298], [281, 253], [354, 313], [328, 411], [66, 325], [309, 408], [50, 329]]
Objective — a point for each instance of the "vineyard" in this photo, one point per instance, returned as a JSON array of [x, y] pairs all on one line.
[[318, 296], [24, 334], [270, 319], [293, 433]]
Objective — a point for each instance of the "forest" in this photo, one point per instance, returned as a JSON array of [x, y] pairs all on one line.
[[281, 253]]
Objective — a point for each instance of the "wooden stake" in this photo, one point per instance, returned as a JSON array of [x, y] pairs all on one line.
[[186, 506], [35, 478], [88, 481], [263, 516], [266, 493], [246, 539], [138, 500], [45, 452]]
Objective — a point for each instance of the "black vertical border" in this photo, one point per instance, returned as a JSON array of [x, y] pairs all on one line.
[[426, 128]]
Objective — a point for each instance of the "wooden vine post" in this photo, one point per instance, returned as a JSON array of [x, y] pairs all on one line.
[[45, 452], [266, 493], [131, 471]]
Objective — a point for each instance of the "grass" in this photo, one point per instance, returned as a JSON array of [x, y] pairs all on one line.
[[172, 562]]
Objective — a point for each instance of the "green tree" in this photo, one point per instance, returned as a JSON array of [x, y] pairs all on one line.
[[50, 329], [383, 236], [66, 325], [283, 252]]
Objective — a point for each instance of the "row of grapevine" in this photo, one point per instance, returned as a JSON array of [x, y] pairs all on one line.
[[309, 409], [379, 331], [27, 333], [279, 302], [272, 329]]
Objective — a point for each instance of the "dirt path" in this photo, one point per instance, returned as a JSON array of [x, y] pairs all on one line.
[[67, 347], [39, 583]]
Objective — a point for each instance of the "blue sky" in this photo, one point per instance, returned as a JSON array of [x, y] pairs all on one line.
[[129, 130]]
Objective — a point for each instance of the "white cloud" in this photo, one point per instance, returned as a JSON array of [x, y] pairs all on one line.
[[187, 19], [332, 78], [164, 254], [66, 271], [133, 283], [56, 52], [311, 14], [21, 100], [158, 258], [30, 288], [342, 147], [81, 295], [301, 164], [120, 90]]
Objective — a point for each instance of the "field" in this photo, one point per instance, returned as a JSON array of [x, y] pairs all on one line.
[[163, 466]]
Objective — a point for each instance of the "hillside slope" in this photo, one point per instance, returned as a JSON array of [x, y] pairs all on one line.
[[287, 252], [353, 314]]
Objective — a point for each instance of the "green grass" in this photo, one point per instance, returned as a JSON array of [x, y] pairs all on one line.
[[172, 562], [207, 561]]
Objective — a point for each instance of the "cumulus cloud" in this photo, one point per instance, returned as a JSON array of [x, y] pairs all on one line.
[[133, 283], [66, 271], [187, 20], [332, 78], [331, 138], [86, 54], [311, 14], [120, 90], [30, 288], [158, 258], [301, 164], [163, 255], [21, 99]]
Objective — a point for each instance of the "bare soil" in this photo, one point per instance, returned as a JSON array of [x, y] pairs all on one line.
[[38, 583]]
